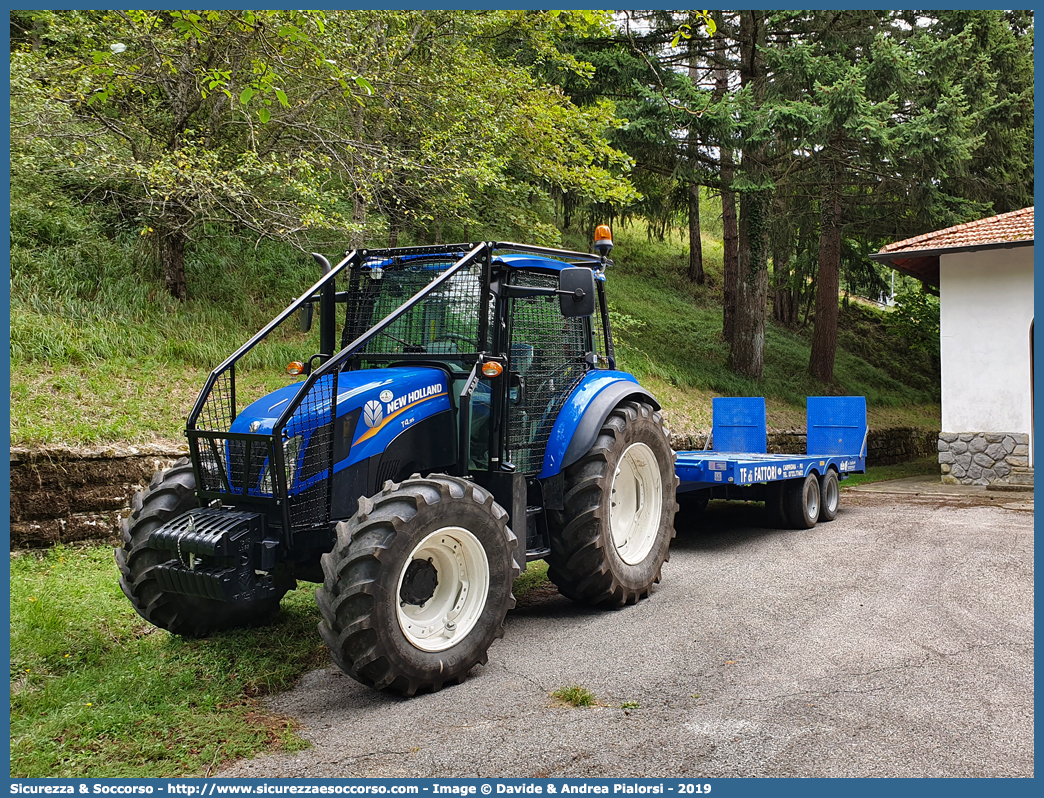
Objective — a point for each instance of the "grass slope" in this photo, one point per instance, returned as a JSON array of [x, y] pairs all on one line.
[[100, 353], [668, 334]]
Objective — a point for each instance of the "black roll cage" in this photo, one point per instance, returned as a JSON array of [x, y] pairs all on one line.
[[324, 292]]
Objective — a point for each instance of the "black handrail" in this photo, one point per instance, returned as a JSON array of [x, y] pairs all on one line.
[[229, 362], [334, 363], [582, 257]]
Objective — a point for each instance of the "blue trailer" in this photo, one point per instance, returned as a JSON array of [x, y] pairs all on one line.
[[463, 414], [798, 490]]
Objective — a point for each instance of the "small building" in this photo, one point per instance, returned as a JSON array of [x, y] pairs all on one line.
[[983, 272]]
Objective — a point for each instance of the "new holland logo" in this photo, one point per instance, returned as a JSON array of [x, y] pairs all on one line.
[[373, 413]]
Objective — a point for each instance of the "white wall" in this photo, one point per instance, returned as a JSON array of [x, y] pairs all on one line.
[[986, 306]]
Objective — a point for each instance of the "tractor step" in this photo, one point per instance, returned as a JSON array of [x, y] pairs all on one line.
[[221, 554], [536, 534]]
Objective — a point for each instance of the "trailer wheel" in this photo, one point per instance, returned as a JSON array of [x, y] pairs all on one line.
[[171, 493], [418, 584], [693, 501], [611, 540], [775, 505], [829, 495], [801, 500]]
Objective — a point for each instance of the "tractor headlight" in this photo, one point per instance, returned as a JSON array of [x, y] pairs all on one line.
[[291, 449]]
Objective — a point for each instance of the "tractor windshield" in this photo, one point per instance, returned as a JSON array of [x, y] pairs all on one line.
[[444, 323]]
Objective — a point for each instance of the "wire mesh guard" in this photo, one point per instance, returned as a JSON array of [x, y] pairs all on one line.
[[547, 351], [217, 412], [308, 473], [445, 323]]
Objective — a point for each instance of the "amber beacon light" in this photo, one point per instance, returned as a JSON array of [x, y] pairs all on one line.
[[603, 244], [492, 369]]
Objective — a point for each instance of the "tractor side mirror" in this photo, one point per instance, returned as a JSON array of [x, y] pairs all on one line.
[[307, 310], [576, 291]]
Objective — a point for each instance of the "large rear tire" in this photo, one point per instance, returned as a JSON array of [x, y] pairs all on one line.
[[610, 542], [171, 493], [418, 584]]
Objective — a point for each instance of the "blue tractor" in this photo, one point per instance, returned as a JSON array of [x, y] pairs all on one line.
[[463, 416]]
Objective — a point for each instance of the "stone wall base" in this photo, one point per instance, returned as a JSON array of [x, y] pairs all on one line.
[[62, 495], [985, 458]]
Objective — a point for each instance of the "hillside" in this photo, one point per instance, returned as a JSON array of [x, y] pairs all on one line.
[[99, 353], [668, 333]]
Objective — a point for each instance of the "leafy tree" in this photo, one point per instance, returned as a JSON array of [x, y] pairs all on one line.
[[298, 126]]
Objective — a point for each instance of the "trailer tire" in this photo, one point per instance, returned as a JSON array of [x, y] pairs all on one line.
[[693, 501], [775, 505], [801, 500], [829, 496], [171, 493], [597, 557], [412, 555]]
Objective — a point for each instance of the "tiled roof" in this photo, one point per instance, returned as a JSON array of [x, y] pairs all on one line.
[[1002, 229]]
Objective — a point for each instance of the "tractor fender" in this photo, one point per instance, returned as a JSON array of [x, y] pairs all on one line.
[[583, 414]]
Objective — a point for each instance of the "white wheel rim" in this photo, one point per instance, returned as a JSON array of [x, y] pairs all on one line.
[[830, 501], [635, 503], [812, 501], [460, 595]]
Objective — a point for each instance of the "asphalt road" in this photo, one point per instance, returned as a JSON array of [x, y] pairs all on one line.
[[895, 641]]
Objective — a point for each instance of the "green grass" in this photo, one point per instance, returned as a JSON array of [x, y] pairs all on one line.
[[100, 353], [118, 399], [925, 466], [96, 691], [534, 576], [576, 695]]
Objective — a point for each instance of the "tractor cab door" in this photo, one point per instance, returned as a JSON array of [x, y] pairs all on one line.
[[547, 357]]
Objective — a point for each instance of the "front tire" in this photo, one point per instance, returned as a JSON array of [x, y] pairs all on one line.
[[418, 584], [610, 542], [171, 493]]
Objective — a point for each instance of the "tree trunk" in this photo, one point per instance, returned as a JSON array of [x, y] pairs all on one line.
[[746, 356], [747, 353], [171, 247], [824, 333], [394, 226], [358, 235], [783, 306], [730, 247], [730, 229], [695, 243]]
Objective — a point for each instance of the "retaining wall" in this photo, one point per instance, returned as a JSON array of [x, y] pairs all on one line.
[[62, 495]]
